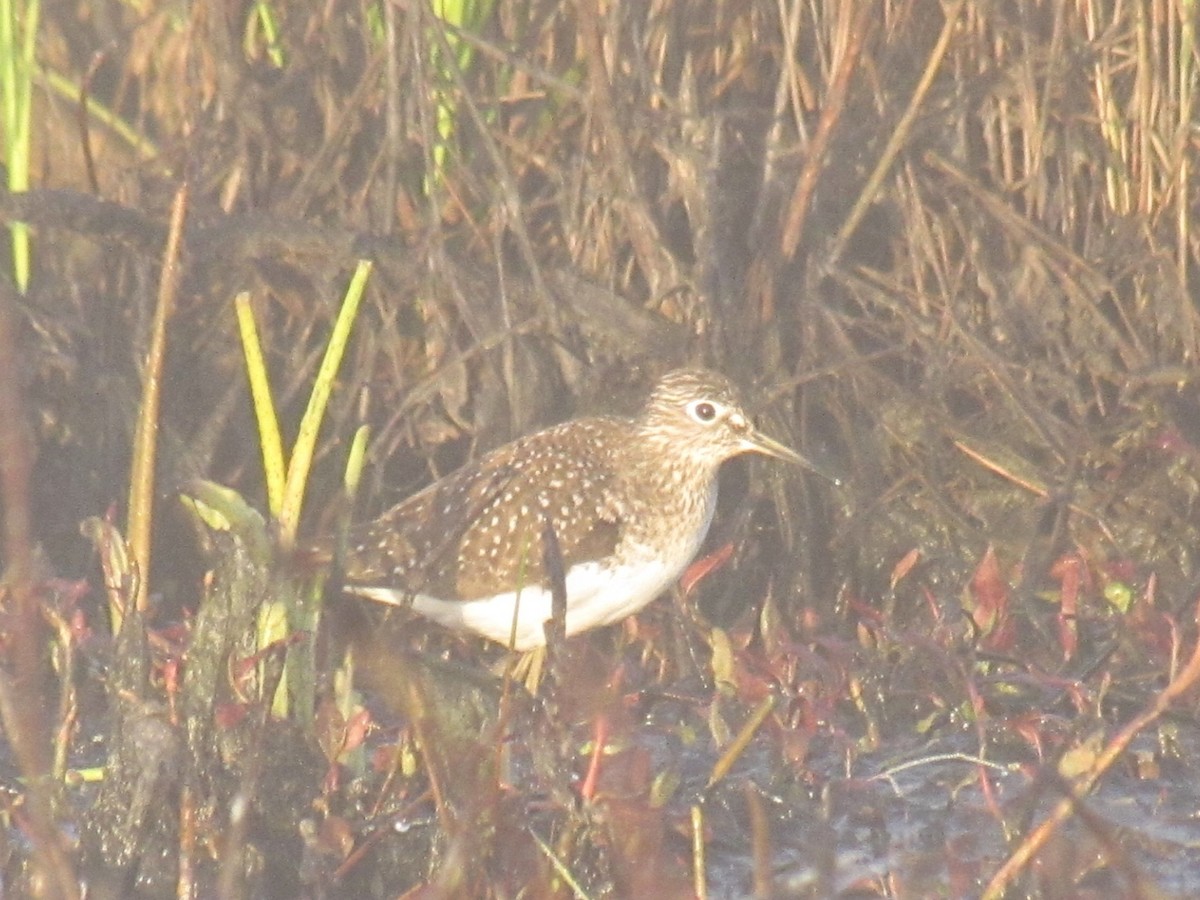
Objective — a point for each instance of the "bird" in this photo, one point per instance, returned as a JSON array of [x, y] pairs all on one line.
[[628, 502]]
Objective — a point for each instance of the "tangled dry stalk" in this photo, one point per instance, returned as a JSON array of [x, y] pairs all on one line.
[[949, 243]]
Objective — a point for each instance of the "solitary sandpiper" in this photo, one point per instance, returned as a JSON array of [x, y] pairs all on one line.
[[628, 501]]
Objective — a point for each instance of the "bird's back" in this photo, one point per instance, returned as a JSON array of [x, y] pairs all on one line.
[[478, 531]]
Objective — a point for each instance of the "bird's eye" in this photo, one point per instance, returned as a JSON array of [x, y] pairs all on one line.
[[703, 411]]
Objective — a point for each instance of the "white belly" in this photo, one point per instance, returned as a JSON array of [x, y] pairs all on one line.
[[596, 596]]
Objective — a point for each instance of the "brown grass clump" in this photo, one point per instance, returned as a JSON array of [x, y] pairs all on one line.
[[948, 246]]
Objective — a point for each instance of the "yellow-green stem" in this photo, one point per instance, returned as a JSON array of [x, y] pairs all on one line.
[[310, 424], [18, 42], [269, 440]]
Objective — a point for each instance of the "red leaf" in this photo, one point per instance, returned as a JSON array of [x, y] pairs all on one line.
[[702, 568], [227, 715], [906, 565], [990, 611], [356, 730]]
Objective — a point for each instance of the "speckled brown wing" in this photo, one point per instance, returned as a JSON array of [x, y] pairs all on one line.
[[413, 546], [477, 532]]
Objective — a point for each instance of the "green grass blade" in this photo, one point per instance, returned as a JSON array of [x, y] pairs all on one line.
[[70, 90], [18, 44], [355, 461], [306, 439], [269, 440], [264, 17], [273, 625], [462, 15]]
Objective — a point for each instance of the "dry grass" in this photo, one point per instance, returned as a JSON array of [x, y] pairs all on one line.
[[951, 247]]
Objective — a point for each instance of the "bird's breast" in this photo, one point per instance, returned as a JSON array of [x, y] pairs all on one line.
[[672, 529]]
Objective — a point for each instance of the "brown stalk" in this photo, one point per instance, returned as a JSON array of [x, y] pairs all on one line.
[[656, 262], [85, 133], [145, 442], [760, 843], [831, 115], [867, 196]]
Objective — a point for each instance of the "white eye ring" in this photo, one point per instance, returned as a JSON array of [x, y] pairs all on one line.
[[703, 411]]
